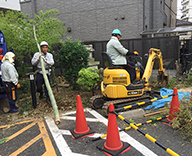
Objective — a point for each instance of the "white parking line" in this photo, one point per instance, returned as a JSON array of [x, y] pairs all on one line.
[[64, 148], [67, 132], [74, 118]]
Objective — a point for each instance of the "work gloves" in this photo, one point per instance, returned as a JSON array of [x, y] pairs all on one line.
[[18, 85], [136, 53], [40, 56], [132, 53]]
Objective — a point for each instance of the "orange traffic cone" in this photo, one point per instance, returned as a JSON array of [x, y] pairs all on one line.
[[81, 130], [174, 106], [113, 144]]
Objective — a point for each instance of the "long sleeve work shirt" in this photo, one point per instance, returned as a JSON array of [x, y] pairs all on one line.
[[36, 62], [116, 52], [9, 73]]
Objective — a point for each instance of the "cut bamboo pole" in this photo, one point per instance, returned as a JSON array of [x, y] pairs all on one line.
[[50, 92]]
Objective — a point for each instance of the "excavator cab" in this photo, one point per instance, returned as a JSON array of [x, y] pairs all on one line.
[[117, 87]]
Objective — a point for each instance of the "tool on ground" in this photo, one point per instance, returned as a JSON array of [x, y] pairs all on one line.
[[154, 113]]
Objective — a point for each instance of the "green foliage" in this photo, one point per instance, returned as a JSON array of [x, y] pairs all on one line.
[[3, 140], [132, 121], [90, 78], [173, 83], [25, 86], [18, 31], [188, 80], [183, 119], [73, 56]]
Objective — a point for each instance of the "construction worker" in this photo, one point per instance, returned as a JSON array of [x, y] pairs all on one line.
[[10, 80], [118, 54], [48, 62]]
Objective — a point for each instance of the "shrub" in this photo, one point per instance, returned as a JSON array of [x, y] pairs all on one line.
[[73, 56], [188, 80], [183, 119], [90, 78], [173, 83], [25, 86]]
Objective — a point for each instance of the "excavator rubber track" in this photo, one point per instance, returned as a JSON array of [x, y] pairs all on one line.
[[96, 102], [128, 100]]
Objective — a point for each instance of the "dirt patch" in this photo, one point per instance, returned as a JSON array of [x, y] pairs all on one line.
[[65, 98], [188, 89]]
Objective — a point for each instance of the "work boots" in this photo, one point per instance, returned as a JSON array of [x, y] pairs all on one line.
[[15, 107], [13, 110], [48, 100], [41, 96]]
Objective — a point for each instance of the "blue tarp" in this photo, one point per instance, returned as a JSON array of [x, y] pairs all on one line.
[[161, 102]]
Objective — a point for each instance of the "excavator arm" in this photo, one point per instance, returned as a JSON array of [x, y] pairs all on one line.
[[161, 77]]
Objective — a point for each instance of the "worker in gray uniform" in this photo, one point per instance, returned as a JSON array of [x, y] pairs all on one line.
[[48, 62], [118, 54], [10, 80]]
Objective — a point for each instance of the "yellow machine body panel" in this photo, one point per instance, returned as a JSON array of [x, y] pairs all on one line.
[[116, 76], [137, 71], [115, 82]]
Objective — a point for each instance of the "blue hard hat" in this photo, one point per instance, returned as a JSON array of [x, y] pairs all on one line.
[[116, 31]]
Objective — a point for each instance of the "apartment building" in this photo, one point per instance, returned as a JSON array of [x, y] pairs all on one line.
[[94, 20], [186, 10]]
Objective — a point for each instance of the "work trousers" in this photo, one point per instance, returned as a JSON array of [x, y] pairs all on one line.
[[130, 68], [11, 94], [39, 82]]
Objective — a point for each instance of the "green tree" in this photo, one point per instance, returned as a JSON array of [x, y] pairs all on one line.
[[18, 30], [73, 56]]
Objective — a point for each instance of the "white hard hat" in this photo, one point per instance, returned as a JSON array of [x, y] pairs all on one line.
[[44, 43]]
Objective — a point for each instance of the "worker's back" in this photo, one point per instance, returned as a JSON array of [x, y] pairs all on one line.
[[116, 52]]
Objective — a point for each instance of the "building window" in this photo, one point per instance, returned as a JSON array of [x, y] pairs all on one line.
[[24, 1]]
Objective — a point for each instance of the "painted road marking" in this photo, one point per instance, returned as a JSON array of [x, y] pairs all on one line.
[[50, 151], [59, 140], [67, 132], [64, 148], [74, 118]]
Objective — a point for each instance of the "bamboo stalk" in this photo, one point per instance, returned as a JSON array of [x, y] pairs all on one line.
[[50, 92]]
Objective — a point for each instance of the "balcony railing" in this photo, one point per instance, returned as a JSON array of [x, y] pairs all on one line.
[[185, 16], [185, 8], [184, 1]]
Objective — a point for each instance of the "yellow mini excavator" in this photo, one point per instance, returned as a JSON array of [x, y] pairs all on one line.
[[118, 89]]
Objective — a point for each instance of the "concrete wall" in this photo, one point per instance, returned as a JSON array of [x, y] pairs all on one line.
[[94, 20]]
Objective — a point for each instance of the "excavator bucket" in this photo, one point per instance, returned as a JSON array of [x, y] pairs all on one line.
[[162, 77]]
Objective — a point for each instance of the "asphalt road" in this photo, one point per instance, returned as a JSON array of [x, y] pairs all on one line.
[[38, 137]]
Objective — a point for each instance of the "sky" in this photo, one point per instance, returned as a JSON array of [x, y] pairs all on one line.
[[179, 9]]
